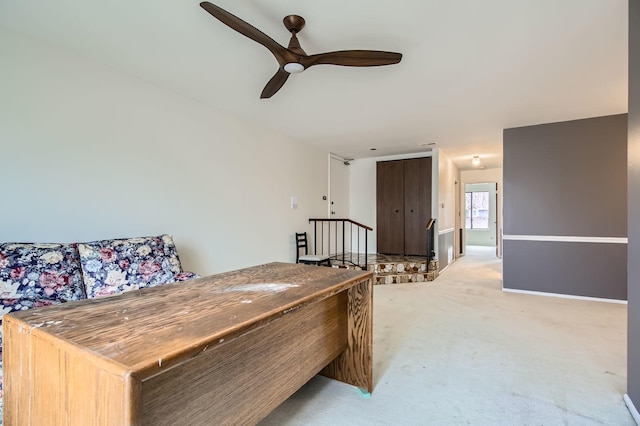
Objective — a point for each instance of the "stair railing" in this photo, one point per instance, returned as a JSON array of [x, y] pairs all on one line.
[[430, 240], [339, 238]]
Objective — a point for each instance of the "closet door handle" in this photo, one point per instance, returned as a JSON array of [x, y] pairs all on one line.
[[397, 211]]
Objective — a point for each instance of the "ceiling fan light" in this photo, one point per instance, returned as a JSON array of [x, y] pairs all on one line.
[[293, 67]]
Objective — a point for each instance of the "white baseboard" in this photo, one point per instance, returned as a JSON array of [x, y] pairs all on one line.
[[564, 296], [632, 408]]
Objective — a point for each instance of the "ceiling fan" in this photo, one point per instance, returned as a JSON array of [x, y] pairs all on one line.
[[293, 59]]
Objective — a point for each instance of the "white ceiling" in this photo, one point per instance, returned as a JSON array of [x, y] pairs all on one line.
[[470, 68]]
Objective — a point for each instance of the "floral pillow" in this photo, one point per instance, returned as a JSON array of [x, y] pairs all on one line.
[[40, 271], [115, 266]]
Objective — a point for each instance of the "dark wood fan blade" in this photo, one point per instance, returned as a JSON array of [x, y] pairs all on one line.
[[276, 82], [353, 58], [282, 54]]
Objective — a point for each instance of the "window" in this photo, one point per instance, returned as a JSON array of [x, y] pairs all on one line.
[[477, 210]]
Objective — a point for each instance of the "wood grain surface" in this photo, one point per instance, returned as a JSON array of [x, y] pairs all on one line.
[[232, 346], [243, 380], [353, 366]]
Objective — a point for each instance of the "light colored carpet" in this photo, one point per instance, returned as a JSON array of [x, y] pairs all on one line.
[[459, 351]]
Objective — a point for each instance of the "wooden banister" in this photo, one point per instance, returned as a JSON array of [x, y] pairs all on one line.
[[430, 240]]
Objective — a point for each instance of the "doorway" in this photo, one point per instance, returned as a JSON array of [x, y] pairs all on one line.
[[403, 206], [480, 203]]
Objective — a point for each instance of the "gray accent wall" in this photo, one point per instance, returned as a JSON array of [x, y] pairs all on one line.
[[633, 341], [566, 179], [563, 267]]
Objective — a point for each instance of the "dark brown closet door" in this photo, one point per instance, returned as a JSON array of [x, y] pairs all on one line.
[[390, 207], [417, 205]]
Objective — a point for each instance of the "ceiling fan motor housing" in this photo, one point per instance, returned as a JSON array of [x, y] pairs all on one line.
[[293, 23]]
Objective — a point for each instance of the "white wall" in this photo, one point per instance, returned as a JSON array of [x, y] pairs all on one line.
[[448, 235], [362, 198], [362, 190], [89, 153], [448, 174], [485, 176]]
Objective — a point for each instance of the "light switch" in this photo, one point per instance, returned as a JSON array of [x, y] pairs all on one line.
[[294, 202]]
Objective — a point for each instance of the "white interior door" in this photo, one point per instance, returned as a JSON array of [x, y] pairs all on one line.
[[338, 188], [338, 207]]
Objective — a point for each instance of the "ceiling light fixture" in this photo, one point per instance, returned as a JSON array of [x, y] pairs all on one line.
[[293, 67], [476, 160]]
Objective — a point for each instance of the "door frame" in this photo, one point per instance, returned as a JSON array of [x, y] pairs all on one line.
[[498, 214]]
